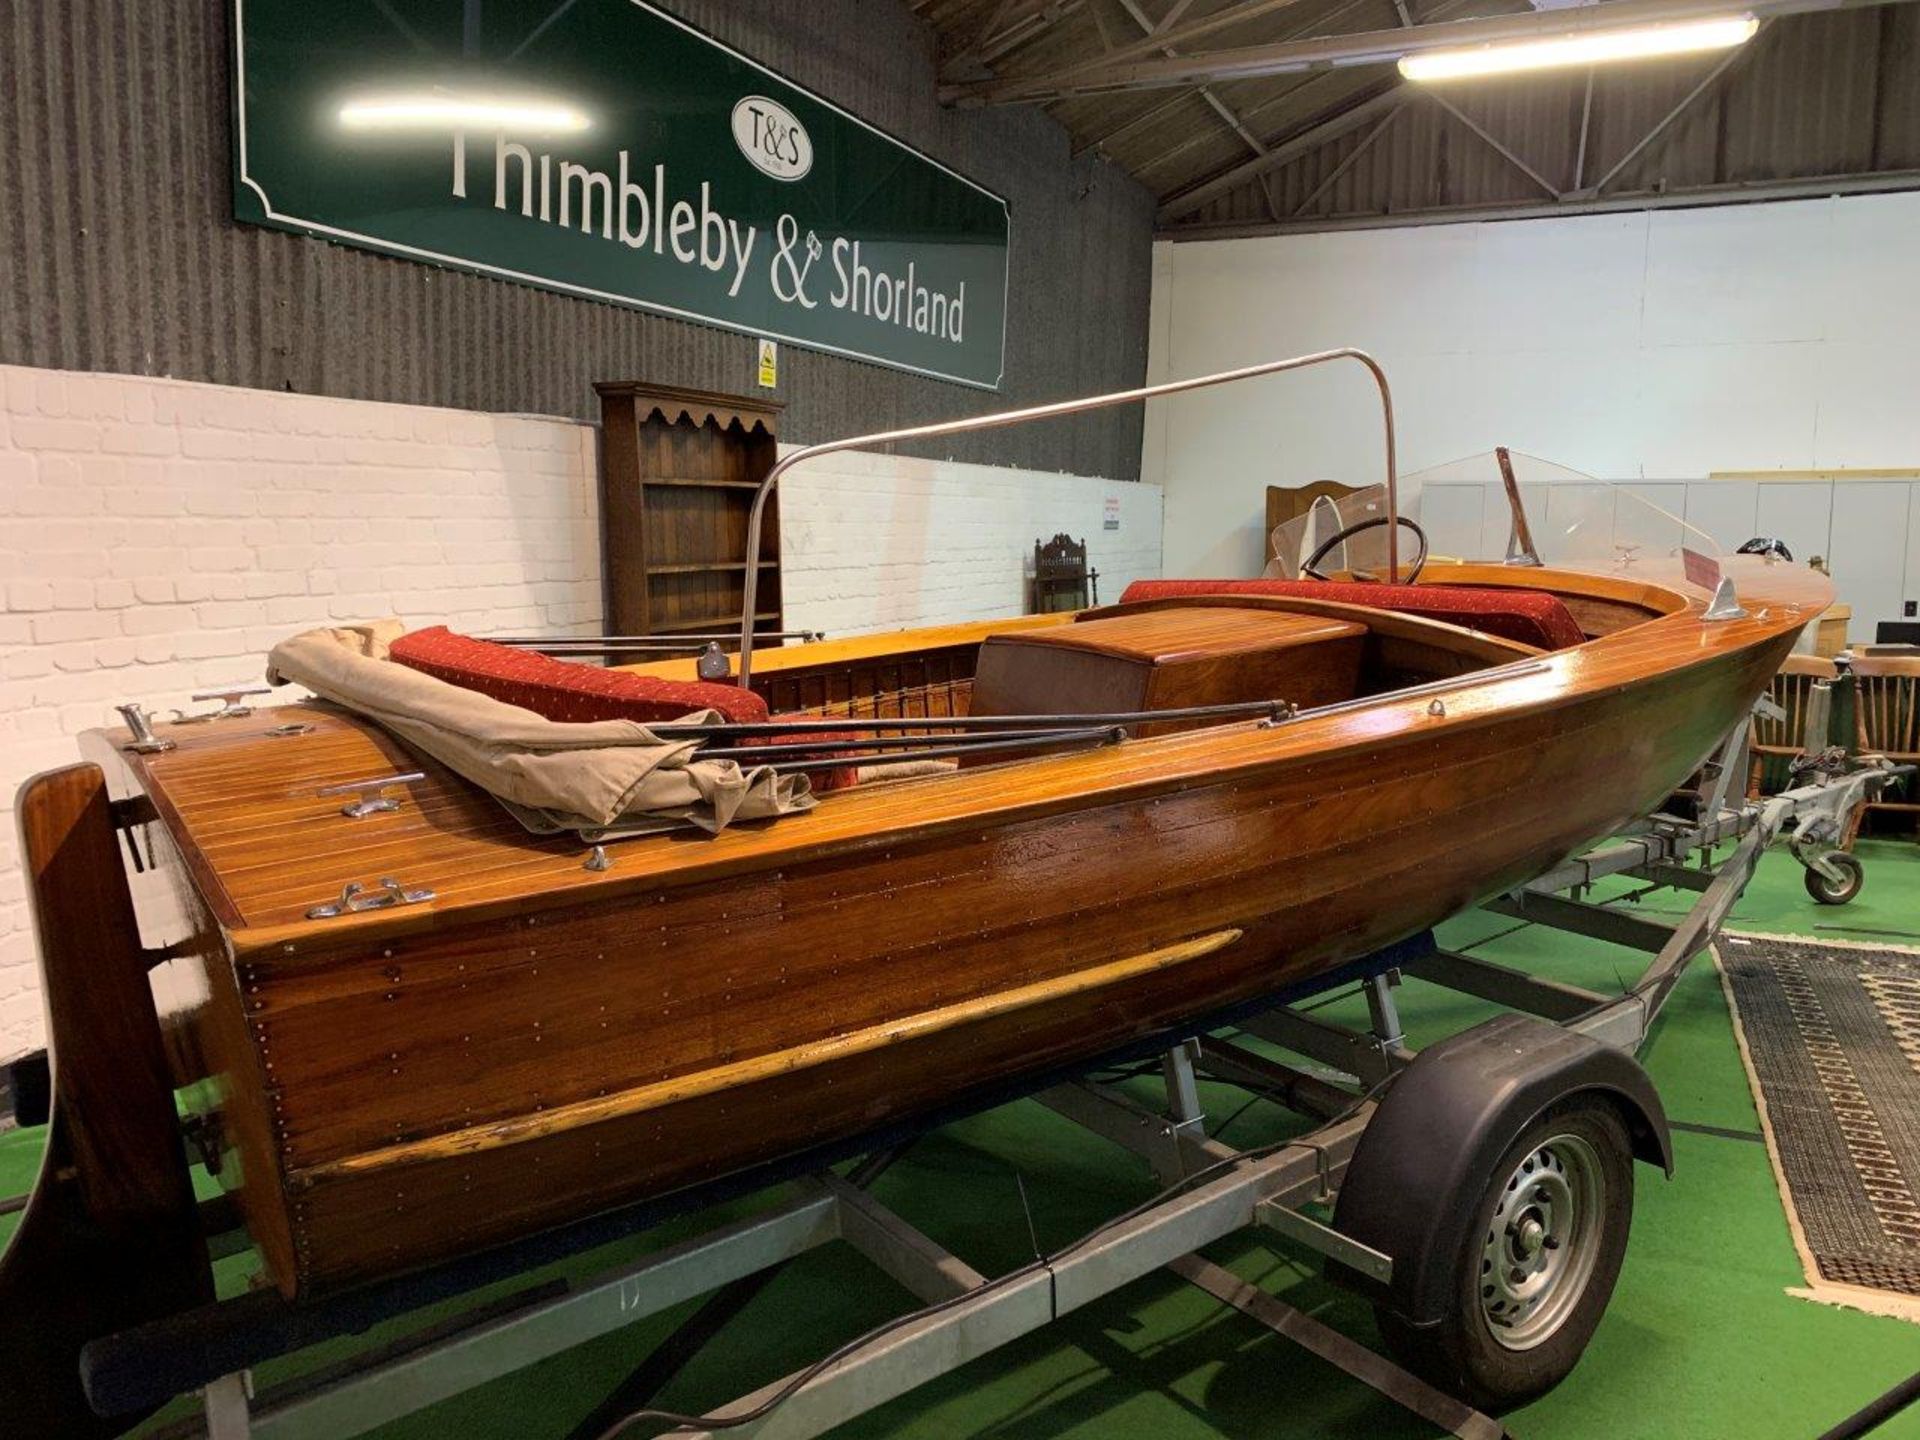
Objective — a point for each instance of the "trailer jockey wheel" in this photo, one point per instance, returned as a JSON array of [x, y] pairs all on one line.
[[1853, 875], [1533, 1263]]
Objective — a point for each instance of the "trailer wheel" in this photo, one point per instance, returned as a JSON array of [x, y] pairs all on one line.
[[1534, 1262], [1853, 877]]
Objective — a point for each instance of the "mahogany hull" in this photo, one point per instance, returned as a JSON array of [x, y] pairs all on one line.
[[543, 1041], [471, 1083]]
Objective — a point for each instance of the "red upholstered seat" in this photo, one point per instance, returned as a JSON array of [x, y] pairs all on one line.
[[561, 690], [1532, 617]]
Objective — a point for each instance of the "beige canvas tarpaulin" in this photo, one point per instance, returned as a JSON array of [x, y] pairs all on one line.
[[604, 778]]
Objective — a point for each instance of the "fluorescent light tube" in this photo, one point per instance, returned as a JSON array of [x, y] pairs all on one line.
[[457, 112], [1595, 47]]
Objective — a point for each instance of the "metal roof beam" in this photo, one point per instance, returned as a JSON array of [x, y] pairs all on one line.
[[1378, 47], [1493, 143], [1285, 100], [1219, 107], [1353, 158], [1186, 201], [1728, 193], [1008, 25], [1178, 35]]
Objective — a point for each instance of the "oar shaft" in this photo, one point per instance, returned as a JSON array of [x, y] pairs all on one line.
[[739, 730], [1060, 739], [867, 743]]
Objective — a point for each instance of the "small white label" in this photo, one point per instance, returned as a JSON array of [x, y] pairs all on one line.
[[771, 138], [769, 364], [1111, 517]]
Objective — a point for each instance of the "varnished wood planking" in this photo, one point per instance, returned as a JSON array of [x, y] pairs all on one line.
[[856, 649], [858, 815], [1169, 658], [1048, 881], [697, 1139], [1192, 632], [1415, 633], [817, 1052], [695, 952]]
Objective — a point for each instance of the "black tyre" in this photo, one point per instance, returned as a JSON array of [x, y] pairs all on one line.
[[1533, 1272], [1853, 876]]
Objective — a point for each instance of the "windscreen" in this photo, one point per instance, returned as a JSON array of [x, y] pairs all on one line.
[[1567, 519]]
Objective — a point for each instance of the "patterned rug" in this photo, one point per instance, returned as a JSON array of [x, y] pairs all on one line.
[[1830, 1032]]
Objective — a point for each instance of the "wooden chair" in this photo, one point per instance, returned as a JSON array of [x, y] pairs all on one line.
[[1061, 579], [1886, 707], [1790, 689]]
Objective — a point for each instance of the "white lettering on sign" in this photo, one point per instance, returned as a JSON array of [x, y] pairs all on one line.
[[773, 141], [642, 208]]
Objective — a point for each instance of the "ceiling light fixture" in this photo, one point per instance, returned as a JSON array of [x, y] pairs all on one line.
[[462, 112], [1595, 47]]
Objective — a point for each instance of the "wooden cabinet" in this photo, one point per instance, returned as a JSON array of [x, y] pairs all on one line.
[[678, 472]]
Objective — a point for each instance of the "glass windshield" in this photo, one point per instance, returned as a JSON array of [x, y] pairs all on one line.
[[1572, 521]]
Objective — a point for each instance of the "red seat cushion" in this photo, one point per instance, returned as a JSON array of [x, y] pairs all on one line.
[[561, 690], [1532, 617]]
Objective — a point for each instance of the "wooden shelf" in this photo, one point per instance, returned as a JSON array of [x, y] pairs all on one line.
[[679, 476], [655, 483], [707, 567], [714, 623]]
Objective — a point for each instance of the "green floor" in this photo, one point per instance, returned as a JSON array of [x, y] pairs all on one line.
[[1701, 1339]]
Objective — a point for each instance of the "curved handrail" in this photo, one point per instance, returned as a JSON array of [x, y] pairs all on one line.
[[1048, 412]]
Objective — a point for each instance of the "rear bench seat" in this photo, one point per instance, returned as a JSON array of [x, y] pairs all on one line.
[[1531, 617], [560, 689], [567, 690]]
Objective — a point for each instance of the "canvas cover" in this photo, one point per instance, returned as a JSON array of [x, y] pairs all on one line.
[[603, 779]]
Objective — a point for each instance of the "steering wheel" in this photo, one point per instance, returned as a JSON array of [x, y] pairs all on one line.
[[1348, 532]]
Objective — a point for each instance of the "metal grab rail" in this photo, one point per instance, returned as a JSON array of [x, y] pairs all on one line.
[[1048, 412]]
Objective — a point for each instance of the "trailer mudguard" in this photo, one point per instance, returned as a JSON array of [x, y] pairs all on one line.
[[1427, 1153]]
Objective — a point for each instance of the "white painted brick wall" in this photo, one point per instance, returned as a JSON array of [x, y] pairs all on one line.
[[875, 542], [157, 537]]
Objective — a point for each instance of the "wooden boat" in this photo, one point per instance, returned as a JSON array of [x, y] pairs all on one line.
[[543, 1039], [536, 1030]]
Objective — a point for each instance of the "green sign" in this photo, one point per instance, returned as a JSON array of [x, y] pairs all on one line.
[[605, 149]]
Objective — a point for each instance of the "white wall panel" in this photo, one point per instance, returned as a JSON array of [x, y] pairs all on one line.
[[1577, 406], [1868, 400], [1655, 528], [1496, 522], [1451, 515], [1727, 407], [1662, 346], [1868, 550], [1723, 510], [1912, 593], [1798, 512], [1563, 285], [1738, 274], [1872, 286]]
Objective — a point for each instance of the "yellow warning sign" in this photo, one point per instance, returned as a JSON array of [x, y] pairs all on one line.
[[769, 364]]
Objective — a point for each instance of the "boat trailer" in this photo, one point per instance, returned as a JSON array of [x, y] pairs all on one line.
[[1582, 1038]]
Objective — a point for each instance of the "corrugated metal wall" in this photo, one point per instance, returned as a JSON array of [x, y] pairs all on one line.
[[1814, 95], [118, 250]]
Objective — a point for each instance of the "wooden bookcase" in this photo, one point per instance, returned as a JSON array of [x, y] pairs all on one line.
[[678, 472]]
